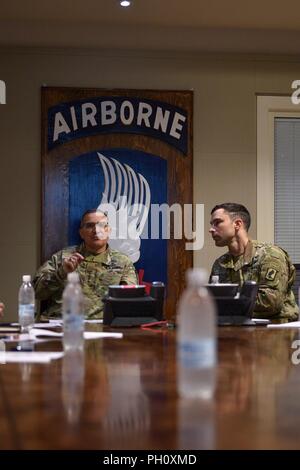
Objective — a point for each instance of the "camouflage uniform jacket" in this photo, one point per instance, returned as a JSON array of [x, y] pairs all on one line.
[[271, 267], [96, 273]]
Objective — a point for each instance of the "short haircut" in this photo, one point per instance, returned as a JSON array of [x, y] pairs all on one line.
[[92, 211], [235, 211]]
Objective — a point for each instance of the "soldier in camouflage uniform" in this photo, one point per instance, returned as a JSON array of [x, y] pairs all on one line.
[[97, 264], [267, 264]]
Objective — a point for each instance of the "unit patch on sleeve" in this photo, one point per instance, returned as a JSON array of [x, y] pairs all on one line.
[[271, 274]]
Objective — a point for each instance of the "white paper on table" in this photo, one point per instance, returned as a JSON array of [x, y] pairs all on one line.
[[37, 357], [101, 334], [262, 321], [51, 324], [93, 321], [59, 322], [292, 324], [47, 325], [35, 332]]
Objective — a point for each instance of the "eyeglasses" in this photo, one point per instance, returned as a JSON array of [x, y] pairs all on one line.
[[92, 225]]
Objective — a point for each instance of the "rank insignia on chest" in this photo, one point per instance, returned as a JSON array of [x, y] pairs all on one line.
[[271, 274], [114, 266]]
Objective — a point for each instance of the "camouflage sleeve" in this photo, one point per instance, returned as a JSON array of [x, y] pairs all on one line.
[[49, 278], [129, 275], [273, 284]]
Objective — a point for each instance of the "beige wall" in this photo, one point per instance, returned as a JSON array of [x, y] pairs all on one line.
[[224, 132]]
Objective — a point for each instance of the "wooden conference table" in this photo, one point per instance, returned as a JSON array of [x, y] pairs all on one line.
[[122, 395]]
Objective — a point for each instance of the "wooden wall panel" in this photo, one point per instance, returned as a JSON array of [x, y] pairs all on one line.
[[55, 172]]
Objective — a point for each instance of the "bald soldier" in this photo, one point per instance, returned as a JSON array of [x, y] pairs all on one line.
[[97, 264], [246, 259]]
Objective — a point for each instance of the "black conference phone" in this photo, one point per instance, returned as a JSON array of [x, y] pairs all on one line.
[[235, 308], [130, 306]]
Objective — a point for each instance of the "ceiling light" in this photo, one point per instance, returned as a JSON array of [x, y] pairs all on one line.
[[125, 3]]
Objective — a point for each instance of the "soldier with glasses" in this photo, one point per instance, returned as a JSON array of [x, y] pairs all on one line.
[[97, 264]]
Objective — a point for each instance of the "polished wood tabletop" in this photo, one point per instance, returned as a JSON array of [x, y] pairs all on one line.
[[122, 394]]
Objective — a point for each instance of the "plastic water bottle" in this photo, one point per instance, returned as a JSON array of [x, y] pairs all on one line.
[[2, 352], [26, 304], [196, 339], [73, 383], [73, 313]]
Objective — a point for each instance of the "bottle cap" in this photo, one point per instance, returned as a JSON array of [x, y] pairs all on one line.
[[73, 277], [26, 278], [196, 276]]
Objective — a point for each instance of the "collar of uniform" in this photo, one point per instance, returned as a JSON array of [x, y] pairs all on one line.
[[236, 263], [249, 252], [104, 258]]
